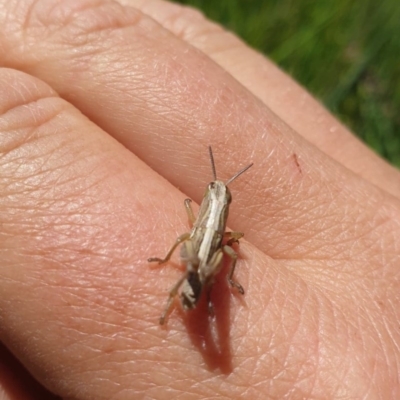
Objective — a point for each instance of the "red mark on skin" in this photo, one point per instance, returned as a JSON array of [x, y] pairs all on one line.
[[296, 161]]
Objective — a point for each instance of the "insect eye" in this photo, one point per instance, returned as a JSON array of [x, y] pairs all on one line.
[[211, 185]]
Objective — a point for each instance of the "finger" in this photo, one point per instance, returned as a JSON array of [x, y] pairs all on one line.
[[79, 304], [166, 101], [278, 91], [73, 213]]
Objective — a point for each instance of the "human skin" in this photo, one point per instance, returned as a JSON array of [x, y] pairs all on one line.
[[106, 112]]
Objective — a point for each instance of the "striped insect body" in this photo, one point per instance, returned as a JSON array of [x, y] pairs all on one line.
[[203, 247]]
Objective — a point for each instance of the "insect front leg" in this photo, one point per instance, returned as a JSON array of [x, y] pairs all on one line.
[[233, 237], [178, 241], [189, 211], [232, 254]]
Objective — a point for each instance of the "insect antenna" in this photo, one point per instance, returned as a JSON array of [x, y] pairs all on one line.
[[212, 163], [238, 174]]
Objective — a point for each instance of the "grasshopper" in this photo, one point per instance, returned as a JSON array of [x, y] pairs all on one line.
[[202, 248]]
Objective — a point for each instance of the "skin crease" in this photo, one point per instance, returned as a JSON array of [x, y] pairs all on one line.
[[105, 110]]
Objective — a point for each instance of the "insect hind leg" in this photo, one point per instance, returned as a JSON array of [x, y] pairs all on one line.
[[232, 254], [172, 293]]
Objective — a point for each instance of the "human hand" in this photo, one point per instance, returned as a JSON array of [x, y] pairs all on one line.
[[112, 114]]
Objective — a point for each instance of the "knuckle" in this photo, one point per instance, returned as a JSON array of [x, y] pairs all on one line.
[[90, 21], [26, 105], [179, 19], [49, 168], [33, 123], [186, 22], [67, 25]]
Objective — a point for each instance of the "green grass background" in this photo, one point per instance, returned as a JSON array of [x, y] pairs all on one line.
[[345, 52]]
